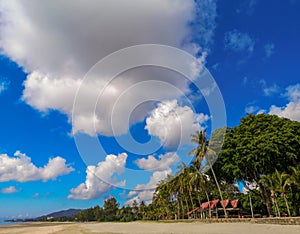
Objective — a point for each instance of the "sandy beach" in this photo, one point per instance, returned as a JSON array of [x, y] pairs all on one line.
[[149, 227]]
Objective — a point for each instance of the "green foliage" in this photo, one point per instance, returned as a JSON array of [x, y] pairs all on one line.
[[258, 206], [110, 209], [259, 147]]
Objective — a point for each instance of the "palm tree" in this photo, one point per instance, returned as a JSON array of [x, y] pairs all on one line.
[[187, 177], [199, 180], [295, 187], [295, 175], [283, 180], [270, 182], [202, 152], [174, 193]]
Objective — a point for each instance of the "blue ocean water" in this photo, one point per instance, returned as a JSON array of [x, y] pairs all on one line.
[[2, 223]]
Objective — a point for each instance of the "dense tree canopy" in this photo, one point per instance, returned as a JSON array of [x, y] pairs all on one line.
[[260, 145]]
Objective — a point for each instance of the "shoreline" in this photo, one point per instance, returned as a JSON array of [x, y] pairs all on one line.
[[148, 227], [269, 220]]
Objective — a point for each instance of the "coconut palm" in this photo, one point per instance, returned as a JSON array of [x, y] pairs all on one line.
[[283, 181], [202, 152], [199, 181], [271, 183], [295, 175], [295, 187]]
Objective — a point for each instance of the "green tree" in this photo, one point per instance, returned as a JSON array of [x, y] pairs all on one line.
[[110, 209], [283, 181], [201, 152], [295, 188], [258, 146], [271, 183]]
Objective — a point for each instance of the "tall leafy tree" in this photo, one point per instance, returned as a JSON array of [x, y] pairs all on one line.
[[110, 209], [258, 146]]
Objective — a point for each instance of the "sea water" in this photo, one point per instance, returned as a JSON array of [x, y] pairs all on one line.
[[2, 223]]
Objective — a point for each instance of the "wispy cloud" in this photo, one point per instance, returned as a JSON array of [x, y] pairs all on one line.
[[245, 80], [4, 84], [269, 49], [269, 90], [9, 190], [251, 109], [239, 41]]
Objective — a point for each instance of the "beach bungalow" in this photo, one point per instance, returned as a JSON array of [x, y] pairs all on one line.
[[214, 209]]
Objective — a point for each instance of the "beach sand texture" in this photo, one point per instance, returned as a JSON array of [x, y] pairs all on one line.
[[150, 227]]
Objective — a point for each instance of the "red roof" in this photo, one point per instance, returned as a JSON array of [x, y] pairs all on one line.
[[226, 202], [234, 203], [213, 203], [205, 205], [192, 211]]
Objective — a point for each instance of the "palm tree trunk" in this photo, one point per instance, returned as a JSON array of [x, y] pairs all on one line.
[[266, 198], [182, 208], [189, 188], [251, 207], [187, 204], [198, 198], [218, 186], [209, 210], [276, 205], [273, 203], [178, 207], [287, 205]]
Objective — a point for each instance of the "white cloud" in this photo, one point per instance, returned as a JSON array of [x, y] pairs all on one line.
[[99, 179], [174, 124], [3, 85], [251, 109], [269, 49], [293, 92], [20, 168], [238, 41], [292, 109], [57, 42], [269, 91], [145, 191], [163, 162], [160, 170], [9, 190]]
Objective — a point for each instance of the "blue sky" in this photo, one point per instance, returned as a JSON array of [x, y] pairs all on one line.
[[48, 157]]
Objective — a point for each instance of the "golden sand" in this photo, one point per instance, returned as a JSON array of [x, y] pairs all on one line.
[[150, 227]]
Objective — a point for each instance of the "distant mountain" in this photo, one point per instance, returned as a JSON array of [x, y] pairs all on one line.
[[62, 213]]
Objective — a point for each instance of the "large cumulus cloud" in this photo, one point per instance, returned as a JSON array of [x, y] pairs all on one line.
[[57, 42]]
